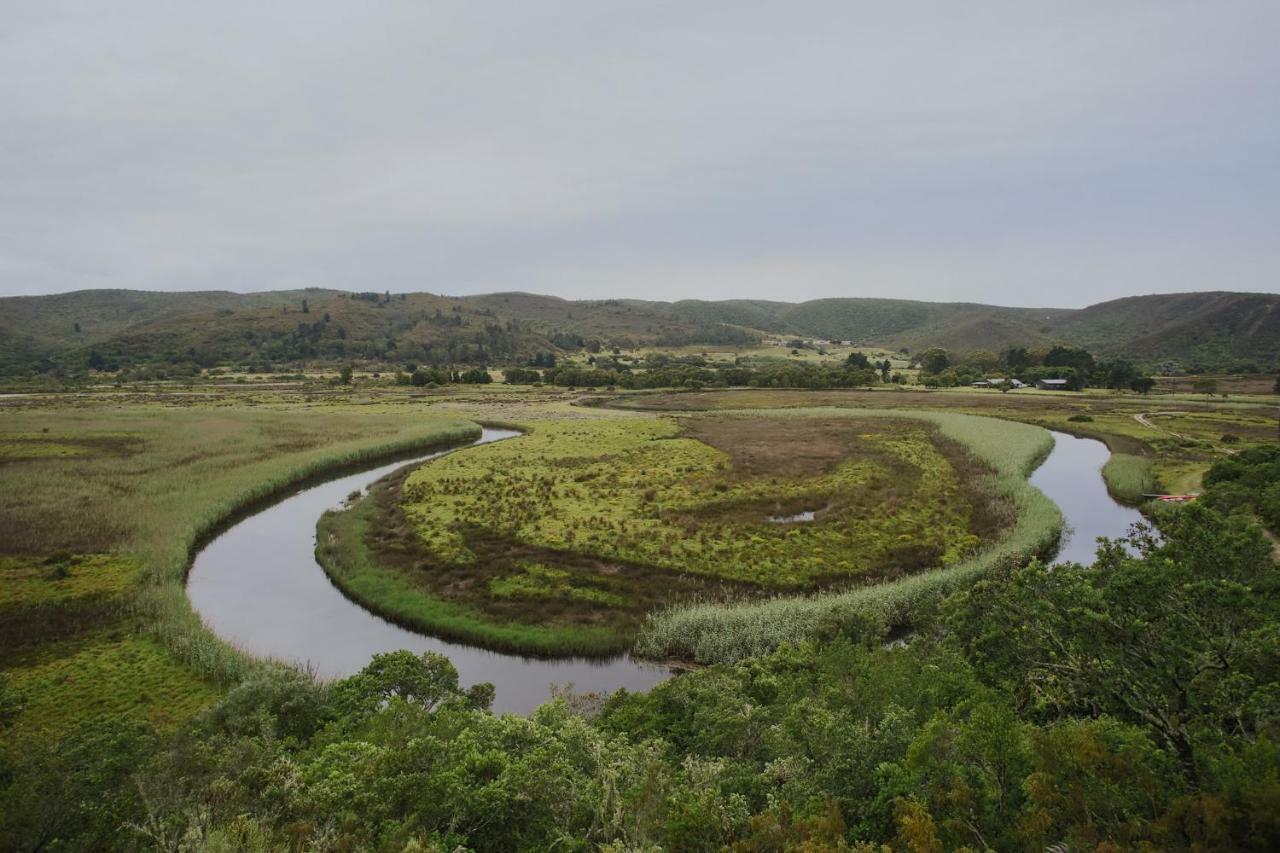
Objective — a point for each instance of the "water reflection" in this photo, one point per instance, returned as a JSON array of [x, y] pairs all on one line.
[[1072, 478], [258, 586]]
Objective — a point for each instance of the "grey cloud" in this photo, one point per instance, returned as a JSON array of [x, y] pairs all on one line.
[[1007, 152]]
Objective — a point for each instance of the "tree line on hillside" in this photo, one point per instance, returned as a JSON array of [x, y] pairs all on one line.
[[431, 376], [1078, 367], [776, 375]]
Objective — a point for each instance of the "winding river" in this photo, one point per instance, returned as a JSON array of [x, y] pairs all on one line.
[[258, 586], [1072, 478]]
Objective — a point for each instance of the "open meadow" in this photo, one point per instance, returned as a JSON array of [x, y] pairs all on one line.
[[103, 500], [579, 529]]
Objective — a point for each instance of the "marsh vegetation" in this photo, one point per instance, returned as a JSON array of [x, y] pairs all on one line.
[[1125, 705], [567, 538]]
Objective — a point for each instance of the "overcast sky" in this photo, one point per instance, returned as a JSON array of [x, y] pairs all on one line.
[[1019, 153]]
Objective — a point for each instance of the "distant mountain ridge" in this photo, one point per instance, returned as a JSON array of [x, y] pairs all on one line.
[[1212, 329]]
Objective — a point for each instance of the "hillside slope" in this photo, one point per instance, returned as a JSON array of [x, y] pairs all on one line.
[[1209, 328], [39, 333]]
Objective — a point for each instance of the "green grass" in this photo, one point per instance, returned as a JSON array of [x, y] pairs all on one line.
[[566, 538], [393, 595], [154, 481], [113, 674], [716, 633], [637, 490], [61, 579], [1129, 477], [538, 581]]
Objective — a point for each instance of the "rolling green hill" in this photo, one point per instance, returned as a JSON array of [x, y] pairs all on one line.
[[120, 327]]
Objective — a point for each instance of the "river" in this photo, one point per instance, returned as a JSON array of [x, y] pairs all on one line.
[[1072, 478], [258, 586]]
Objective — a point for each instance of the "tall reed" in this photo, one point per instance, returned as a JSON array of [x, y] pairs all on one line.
[[155, 482]]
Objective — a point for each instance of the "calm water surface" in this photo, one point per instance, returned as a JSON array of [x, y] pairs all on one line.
[[258, 586], [1072, 478]]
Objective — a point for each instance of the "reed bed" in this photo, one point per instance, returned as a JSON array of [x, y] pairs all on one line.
[[1129, 477], [155, 482], [712, 633]]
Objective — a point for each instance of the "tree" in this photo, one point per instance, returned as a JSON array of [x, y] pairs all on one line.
[[1117, 374], [885, 367], [1142, 384], [1173, 638], [983, 360], [427, 680], [76, 792], [1016, 357], [1060, 356], [521, 376], [345, 375], [858, 360], [306, 309], [934, 360]]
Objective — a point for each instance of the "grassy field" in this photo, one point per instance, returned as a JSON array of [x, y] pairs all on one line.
[[716, 633], [97, 537], [102, 498], [1185, 435], [378, 580], [584, 526]]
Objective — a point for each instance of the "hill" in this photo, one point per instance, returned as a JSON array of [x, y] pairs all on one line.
[[1211, 328], [120, 327]]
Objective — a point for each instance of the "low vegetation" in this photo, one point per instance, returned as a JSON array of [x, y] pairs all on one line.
[[1182, 440], [98, 540], [565, 538], [1129, 477], [713, 633]]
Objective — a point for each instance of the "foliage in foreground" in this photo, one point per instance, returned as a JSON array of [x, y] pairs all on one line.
[[1248, 482], [717, 633], [1134, 703]]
